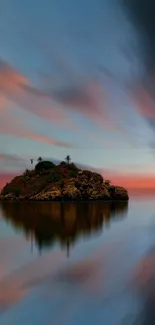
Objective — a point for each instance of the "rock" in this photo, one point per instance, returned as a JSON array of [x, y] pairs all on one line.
[[54, 194], [71, 192], [118, 193]]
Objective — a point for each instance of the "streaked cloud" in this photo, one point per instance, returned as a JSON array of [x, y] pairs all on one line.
[[141, 15], [13, 88], [9, 125], [86, 76], [87, 98]]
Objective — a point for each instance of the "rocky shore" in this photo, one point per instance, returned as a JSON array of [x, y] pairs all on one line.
[[63, 182]]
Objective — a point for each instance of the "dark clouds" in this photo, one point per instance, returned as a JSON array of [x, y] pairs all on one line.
[[141, 14]]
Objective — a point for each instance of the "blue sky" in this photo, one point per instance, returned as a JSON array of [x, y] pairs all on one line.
[[68, 70]]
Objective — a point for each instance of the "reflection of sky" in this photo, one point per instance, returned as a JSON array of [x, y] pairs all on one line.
[[63, 49], [93, 284]]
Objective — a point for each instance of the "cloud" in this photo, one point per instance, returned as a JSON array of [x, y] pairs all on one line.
[[84, 97], [2, 102], [11, 126], [5, 157], [141, 14], [9, 78], [13, 86], [145, 104], [87, 98]]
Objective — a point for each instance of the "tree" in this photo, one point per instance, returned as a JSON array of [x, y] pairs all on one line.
[[68, 159], [31, 161], [40, 159]]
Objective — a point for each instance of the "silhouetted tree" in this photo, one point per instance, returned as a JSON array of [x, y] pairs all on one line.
[[31, 161], [40, 159], [68, 159]]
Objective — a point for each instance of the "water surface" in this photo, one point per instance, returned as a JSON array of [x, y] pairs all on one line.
[[77, 263]]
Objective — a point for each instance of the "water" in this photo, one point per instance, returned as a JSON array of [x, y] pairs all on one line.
[[84, 263]]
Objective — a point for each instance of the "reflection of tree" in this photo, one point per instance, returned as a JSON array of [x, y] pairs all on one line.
[[52, 222]]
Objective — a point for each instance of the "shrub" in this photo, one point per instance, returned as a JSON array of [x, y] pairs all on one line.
[[73, 167], [17, 191], [4, 191], [50, 178], [88, 174], [73, 173], [41, 187], [63, 164], [44, 165], [62, 184], [56, 177], [46, 172]]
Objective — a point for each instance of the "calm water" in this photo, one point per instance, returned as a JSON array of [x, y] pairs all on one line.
[[89, 263]]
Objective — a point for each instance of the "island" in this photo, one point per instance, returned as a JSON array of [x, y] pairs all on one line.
[[61, 182]]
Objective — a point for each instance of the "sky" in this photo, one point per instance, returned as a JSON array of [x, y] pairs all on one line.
[[77, 78]]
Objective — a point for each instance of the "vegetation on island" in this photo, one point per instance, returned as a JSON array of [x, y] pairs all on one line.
[[61, 182]]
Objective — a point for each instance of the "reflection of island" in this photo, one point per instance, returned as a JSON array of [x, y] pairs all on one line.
[[52, 222]]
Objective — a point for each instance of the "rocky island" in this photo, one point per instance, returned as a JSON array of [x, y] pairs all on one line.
[[62, 182]]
